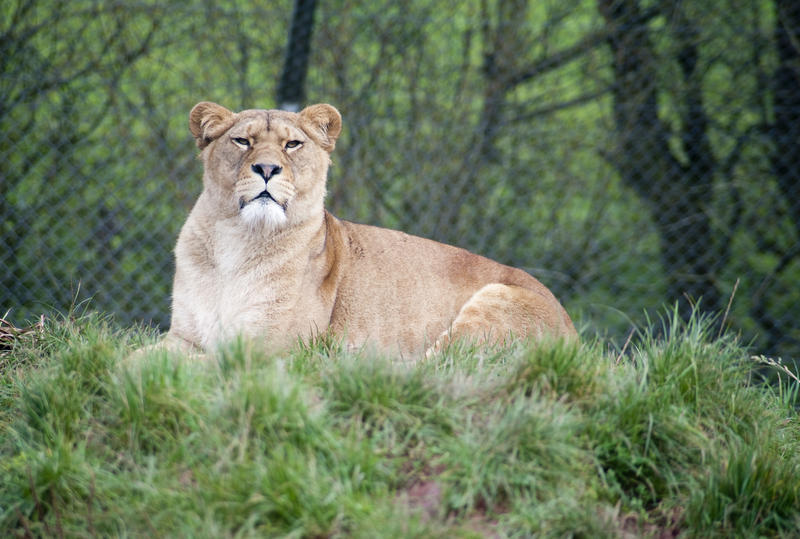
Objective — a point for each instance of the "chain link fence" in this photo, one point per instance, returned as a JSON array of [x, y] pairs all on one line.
[[628, 153]]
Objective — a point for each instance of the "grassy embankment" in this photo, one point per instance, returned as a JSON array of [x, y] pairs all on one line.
[[675, 434]]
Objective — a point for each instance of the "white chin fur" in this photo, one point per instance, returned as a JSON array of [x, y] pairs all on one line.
[[264, 213]]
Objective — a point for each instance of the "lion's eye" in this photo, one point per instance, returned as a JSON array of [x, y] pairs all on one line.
[[240, 141], [293, 144]]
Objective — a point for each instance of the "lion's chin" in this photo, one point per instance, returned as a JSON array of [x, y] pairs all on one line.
[[264, 213]]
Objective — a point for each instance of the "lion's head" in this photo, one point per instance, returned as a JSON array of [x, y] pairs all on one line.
[[267, 167]]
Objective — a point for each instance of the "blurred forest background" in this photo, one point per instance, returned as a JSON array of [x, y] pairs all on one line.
[[628, 153]]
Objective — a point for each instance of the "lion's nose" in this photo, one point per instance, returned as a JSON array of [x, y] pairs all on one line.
[[266, 171]]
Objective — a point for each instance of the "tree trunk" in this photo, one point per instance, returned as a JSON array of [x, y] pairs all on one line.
[[291, 89], [676, 193], [786, 91], [785, 135]]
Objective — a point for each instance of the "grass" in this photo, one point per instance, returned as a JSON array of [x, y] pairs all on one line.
[[677, 435]]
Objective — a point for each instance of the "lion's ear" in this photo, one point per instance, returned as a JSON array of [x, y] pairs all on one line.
[[323, 123], [207, 121]]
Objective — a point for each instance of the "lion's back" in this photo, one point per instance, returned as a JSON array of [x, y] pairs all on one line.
[[403, 290]]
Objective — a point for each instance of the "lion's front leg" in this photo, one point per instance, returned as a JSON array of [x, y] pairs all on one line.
[[170, 344]]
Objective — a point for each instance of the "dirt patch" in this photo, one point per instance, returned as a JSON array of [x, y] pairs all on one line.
[[659, 524], [422, 491], [424, 496]]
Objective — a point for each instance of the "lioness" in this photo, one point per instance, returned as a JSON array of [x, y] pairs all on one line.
[[260, 256]]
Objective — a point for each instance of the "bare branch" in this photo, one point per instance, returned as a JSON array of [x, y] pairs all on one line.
[[563, 105]]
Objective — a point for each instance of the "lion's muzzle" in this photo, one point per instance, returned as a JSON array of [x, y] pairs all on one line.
[[267, 172]]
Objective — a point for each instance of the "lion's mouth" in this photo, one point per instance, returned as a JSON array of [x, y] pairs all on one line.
[[264, 197]]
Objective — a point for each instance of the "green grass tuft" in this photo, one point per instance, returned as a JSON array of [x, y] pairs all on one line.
[[676, 434]]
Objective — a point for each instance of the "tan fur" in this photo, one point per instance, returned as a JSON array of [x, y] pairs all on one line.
[[280, 268]]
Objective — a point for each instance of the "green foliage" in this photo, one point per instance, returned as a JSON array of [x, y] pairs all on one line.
[[672, 434]]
